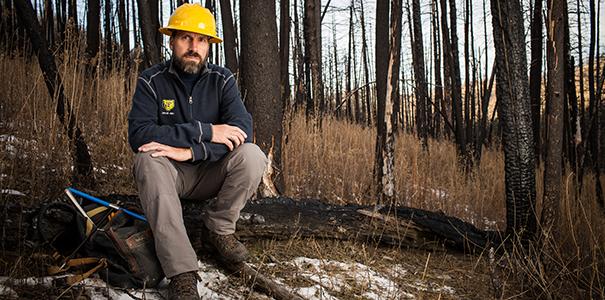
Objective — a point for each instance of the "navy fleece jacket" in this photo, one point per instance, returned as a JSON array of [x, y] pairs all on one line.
[[163, 111]]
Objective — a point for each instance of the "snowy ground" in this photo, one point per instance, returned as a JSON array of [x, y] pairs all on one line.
[[319, 279]]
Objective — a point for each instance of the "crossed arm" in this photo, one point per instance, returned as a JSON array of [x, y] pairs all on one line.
[[230, 136]]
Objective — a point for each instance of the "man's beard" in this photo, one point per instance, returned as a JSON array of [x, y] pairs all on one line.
[[189, 66]]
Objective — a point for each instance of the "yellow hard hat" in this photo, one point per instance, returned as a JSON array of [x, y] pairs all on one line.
[[193, 18]]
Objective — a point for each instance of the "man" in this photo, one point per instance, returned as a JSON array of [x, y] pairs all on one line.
[[192, 138]]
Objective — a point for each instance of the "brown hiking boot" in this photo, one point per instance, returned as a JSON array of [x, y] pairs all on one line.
[[230, 249], [183, 287]]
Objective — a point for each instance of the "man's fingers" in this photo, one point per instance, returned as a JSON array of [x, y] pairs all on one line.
[[240, 139], [229, 144], [159, 153], [241, 132], [151, 146]]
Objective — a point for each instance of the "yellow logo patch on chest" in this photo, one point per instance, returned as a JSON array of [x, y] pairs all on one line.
[[168, 104]]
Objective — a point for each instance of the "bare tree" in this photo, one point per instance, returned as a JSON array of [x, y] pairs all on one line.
[[535, 73], [299, 62], [557, 23], [263, 97], [124, 36], [381, 56], [367, 104], [229, 36], [149, 27], [438, 99], [348, 74], [385, 139], [419, 74], [456, 84], [512, 89], [284, 49], [93, 28], [312, 33]]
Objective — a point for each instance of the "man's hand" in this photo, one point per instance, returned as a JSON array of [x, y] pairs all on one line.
[[230, 136], [178, 154]]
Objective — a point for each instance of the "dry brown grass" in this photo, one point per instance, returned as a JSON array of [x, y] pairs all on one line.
[[335, 164]]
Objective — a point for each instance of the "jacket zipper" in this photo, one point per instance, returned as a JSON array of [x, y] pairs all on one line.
[[190, 106]]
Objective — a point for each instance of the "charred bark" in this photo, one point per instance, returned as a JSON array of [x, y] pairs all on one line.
[[263, 98], [149, 28], [93, 28], [385, 138], [512, 89], [419, 75], [535, 73], [229, 35], [312, 34], [284, 51]]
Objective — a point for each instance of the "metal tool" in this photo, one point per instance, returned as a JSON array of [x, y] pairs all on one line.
[[107, 204]]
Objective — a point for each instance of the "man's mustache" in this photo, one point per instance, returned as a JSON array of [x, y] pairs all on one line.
[[192, 54]]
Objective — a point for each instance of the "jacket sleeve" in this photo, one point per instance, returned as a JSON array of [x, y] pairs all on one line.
[[143, 123], [232, 112]]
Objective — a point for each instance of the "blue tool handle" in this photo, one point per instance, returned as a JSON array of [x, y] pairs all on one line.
[[107, 204]]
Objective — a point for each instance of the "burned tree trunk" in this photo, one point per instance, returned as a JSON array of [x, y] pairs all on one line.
[[348, 74], [381, 58], [512, 89], [456, 85], [385, 138], [83, 163], [124, 36], [93, 28], [263, 98], [419, 74], [535, 73], [148, 30], [284, 50], [557, 22], [368, 112], [438, 99], [229, 37], [396, 17], [312, 33]]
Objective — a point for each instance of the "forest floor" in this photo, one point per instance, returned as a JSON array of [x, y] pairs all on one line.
[[311, 268]]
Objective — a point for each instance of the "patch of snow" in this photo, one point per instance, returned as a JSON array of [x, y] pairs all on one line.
[[8, 293], [431, 287], [314, 292], [339, 277]]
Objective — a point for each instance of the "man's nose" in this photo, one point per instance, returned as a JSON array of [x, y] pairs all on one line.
[[195, 45]]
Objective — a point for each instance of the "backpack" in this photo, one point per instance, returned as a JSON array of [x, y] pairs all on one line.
[[120, 248]]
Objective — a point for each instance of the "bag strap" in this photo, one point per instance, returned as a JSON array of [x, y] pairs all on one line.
[[101, 263], [91, 213]]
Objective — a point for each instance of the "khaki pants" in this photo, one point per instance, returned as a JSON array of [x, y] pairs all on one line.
[[162, 182]]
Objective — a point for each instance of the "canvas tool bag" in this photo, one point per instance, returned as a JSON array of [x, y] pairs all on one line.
[[117, 246]]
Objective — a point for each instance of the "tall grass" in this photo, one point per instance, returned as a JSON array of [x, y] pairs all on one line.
[[40, 163], [333, 164]]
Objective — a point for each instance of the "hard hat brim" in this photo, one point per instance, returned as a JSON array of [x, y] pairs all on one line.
[[169, 29]]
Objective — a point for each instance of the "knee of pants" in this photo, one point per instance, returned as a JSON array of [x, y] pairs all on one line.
[[145, 166], [249, 158]]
